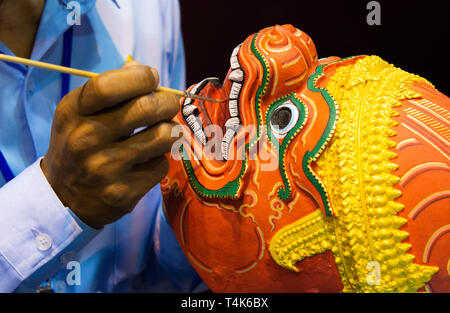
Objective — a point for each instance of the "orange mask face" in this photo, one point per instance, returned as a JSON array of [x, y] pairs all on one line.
[[273, 190]]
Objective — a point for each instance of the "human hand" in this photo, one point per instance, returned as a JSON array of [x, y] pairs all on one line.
[[94, 163]]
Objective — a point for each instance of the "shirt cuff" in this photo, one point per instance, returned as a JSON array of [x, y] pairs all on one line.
[[36, 231]]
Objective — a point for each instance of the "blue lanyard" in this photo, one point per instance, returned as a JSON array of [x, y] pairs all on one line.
[[66, 61], [6, 171], [65, 85]]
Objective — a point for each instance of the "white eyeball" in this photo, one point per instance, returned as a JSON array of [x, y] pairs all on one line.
[[283, 119]]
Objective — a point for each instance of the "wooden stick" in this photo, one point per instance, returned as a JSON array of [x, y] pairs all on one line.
[[47, 66], [73, 71]]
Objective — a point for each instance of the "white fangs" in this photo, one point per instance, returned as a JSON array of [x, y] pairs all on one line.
[[189, 109], [234, 58], [229, 134], [234, 62], [194, 122], [235, 90], [236, 76], [233, 107], [200, 134], [234, 123]]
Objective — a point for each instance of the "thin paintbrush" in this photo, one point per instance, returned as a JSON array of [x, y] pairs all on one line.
[[73, 71]]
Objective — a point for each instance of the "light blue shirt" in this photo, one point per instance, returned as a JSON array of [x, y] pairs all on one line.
[[42, 240]]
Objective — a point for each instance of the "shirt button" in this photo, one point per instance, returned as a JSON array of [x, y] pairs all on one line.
[[43, 242]]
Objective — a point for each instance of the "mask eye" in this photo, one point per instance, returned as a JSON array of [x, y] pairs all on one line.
[[283, 119]]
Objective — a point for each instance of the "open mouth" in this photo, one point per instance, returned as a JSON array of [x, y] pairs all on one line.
[[199, 114]]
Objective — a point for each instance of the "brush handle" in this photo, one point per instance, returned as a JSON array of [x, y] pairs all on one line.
[[48, 66], [72, 71]]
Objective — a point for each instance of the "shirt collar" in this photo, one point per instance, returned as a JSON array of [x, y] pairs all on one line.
[[85, 5], [54, 23]]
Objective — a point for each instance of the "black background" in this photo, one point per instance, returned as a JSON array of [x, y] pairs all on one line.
[[413, 35]]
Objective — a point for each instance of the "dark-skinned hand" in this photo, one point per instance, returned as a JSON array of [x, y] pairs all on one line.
[[95, 164]]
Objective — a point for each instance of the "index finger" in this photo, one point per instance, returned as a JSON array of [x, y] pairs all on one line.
[[115, 87]]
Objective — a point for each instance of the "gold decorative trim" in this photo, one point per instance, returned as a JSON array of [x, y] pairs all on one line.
[[303, 238], [356, 168]]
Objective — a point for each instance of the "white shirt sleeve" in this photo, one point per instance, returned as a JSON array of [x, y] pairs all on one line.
[[36, 230]]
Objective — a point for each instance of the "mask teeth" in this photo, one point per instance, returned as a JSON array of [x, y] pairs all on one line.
[[229, 134], [200, 136], [233, 107], [187, 101], [237, 75], [235, 91], [194, 122], [234, 123], [189, 109]]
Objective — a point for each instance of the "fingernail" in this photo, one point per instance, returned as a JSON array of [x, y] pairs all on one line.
[[156, 75]]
